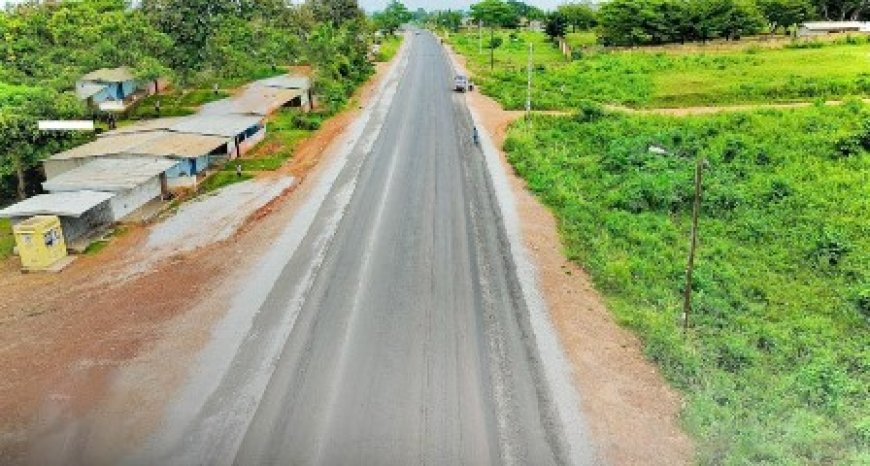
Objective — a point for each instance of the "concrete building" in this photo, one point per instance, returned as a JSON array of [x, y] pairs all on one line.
[[823, 28], [81, 213], [134, 182], [242, 132], [193, 152]]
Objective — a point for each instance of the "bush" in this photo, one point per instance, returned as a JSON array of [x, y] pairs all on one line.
[[775, 361]]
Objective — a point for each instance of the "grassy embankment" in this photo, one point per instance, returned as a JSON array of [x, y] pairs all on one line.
[[776, 365], [640, 78], [389, 47], [7, 241]]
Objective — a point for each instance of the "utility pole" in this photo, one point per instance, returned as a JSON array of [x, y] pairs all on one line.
[[687, 293], [529, 87]]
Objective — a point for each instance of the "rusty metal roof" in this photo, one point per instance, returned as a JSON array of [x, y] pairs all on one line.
[[253, 100], [108, 146], [156, 143], [181, 145]]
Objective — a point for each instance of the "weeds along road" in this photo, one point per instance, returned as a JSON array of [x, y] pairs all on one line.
[[394, 330]]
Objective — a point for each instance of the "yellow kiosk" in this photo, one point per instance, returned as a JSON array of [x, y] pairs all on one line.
[[40, 242]]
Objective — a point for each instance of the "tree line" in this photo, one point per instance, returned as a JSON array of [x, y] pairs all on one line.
[[46, 47], [653, 22]]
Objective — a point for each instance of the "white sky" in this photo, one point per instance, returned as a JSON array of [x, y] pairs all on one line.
[[372, 5]]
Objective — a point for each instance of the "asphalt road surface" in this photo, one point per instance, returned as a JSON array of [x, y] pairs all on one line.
[[396, 332]]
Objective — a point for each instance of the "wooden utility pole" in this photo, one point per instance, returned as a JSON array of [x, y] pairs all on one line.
[[687, 293]]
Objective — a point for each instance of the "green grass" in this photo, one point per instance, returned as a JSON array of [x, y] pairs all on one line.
[[7, 240], [389, 47], [776, 366], [221, 179], [666, 79], [95, 247], [176, 103], [283, 135], [581, 39]]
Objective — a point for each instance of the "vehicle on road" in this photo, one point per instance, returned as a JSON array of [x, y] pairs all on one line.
[[460, 83]]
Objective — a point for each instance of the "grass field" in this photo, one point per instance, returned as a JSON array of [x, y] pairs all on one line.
[[7, 241], [389, 47], [176, 103], [667, 79], [285, 130], [776, 366]]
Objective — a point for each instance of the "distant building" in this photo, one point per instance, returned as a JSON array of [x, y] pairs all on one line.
[[114, 89], [822, 28], [107, 87], [264, 97]]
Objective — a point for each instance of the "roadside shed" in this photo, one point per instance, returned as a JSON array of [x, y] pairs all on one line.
[[243, 131], [107, 86], [134, 182], [195, 152], [298, 82], [821, 28], [253, 100], [81, 213], [102, 147]]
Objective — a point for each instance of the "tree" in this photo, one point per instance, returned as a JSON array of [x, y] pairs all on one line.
[[494, 13], [840, 10], [336, 12], [448, 19], [786, 13], [393, 17], [579, 15], [556, 25], [24, 144]]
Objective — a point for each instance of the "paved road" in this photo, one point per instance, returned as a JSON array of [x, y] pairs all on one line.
[[407, 337]]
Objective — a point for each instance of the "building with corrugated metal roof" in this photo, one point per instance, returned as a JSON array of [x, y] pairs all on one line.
[[107, 87], [195, 152], [135, 182], [297, 82], [822, 28], [81, 213]]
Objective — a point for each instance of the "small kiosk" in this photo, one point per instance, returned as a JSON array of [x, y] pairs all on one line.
[[40, 243]]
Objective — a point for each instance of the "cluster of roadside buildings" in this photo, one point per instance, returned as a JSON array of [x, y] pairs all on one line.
[[126, 173]]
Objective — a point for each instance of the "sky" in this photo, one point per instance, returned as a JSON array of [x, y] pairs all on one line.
[[374, 5]]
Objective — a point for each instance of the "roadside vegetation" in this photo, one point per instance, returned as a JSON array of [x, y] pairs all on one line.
[[796, 72], [197, 44], [7, 240], [390, 45], [286, 129], [776, 364]]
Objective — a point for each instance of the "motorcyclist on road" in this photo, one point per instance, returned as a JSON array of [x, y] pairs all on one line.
[[475, 136]]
